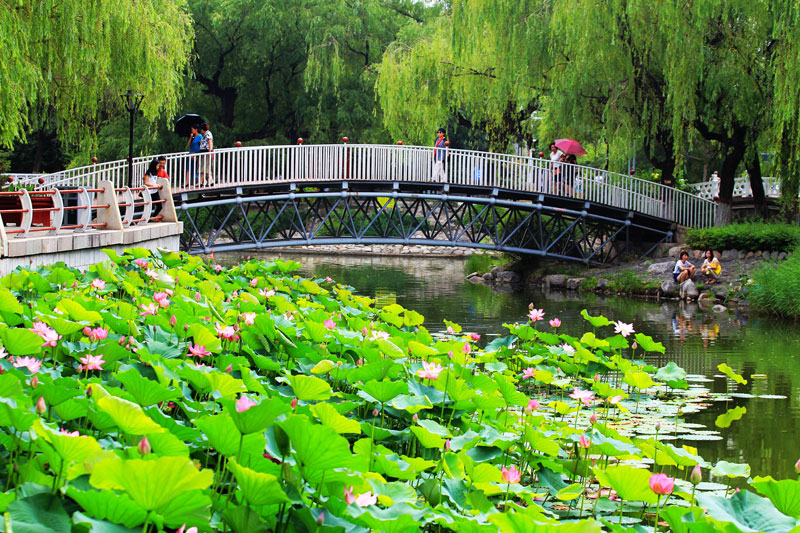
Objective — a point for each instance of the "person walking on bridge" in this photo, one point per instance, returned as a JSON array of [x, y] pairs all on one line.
[[206, 147], [439, 155]]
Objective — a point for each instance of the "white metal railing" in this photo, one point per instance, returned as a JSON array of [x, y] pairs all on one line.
[[741, 188], [315, 163]]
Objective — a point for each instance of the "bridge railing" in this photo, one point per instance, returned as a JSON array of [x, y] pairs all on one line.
[[230, 167], [741, 188]]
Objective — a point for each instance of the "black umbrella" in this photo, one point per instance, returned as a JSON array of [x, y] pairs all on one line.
[[183, 125]]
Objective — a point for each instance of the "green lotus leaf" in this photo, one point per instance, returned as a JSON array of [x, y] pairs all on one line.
[[259, 416], [167, 444], [411, 403], [309, 388], [747, 511], [151, 483], [9, 302], [412, 318], [127, 416], [78, 312], [382, 391], [670, 372], [83, 523], [784, 494], [242, 519], [63, 326], [145, 391], [647, 343], [21, 341], [316, 446], [639, 380], [379, 370], [323, 367], [420, 350], [390, 349], [589, 339], [40, 513], [258, 488], [728, 371], [570, 492], [630, 483], [224, 384], [726, 419], [426, 438], [205, 337], [731, 470], [331, 418], [541, 442], [70, 449], [500, 342], [509, 391], [596, 321], [10, 386]]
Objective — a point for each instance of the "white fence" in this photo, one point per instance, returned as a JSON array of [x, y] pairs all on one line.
[[741, 188], [230, 167]]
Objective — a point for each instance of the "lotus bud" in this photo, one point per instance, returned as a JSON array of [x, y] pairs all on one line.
[[229, 369], [186, 327], [294, 404], [41, 407], [173, 321], [447, 445], [89, 392], [797, 466], [375, 412], [320, 519], [593, 419], [144, 446], [415, 418], [122, 340], [450, 354], [87, 331], [658, 426], [365, 331], [131, 340], [35, 381], [696, 475], [197, 296]]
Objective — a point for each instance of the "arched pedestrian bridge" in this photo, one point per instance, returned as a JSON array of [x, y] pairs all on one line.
[[269, 196]]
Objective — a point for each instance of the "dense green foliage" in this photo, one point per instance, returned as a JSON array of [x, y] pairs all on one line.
[[169, 391], [775, 287], [746, 237]]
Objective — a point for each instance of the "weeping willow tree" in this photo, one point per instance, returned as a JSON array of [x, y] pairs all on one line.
[[64, 63]]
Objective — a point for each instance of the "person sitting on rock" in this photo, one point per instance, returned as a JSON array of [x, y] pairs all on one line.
[[683, 269], [711, 267]]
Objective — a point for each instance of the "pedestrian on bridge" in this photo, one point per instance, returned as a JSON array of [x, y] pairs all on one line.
[[206, 147], [439, 156], [194, 148], [556, 156]]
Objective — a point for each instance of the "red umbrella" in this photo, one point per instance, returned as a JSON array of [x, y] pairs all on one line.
[[569, 146]]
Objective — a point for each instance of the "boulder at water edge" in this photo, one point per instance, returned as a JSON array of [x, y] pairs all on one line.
[[556, 281], [669, 288], [661, 268], [689, 290]]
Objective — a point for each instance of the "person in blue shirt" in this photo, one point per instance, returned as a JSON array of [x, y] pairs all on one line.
[[194, 147], [439, 155]]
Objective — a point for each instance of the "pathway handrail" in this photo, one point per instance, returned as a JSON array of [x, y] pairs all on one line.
[[741, 188], [232, 167]]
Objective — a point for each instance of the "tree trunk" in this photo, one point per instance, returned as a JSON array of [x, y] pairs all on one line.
[[36, 164], [733, 157], [753, 165]]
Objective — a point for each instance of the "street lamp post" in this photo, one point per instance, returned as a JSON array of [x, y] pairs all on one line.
[[132, 101]]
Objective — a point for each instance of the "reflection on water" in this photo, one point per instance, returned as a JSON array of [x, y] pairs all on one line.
[[766, 352]]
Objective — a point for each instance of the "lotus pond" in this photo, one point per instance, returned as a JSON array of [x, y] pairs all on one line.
[[165, 393]]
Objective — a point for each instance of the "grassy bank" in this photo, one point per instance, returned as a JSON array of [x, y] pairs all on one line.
[[747, 237], [775, 287]]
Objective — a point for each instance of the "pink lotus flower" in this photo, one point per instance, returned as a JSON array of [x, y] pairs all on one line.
[[183, 530], [48, 335], [144, 446], [152, 274], [69, 433], [229, 368], [614, 400], [349, 497], [466, 349], [149, 309], [536, 315], [198, 350], [141, 263], [293, 403], [697, 474], [662, 484], [450, 330], [511, 475], [584, 443], [249, 318], [429, 370], [161, 298], [529, 373], [30, 363], [555, 322], [95, 334], [217, 268], [593, 419], [330, 324], [797, 466], [447, 445], [266, 293], [328, 279], [243, 404], [568, 348], [532, 404], [623, 329], [474, 337], [375, 335], [173, 321], [91, 362], [98, 284], [41, 407], [584, 396], [225, 332], [366, 499], [3, 353]]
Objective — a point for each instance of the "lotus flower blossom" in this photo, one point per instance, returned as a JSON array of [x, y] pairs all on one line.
[[141, 263], [149, 309], [249, 318], [254, 282], [198, 350], [584, 396], [41, 406], [662, 484], [429, 370], [330, 324], [529, 373], [797, 466], [536, 315], [266, 293], [584, 443], [568, 348], [555, 322], [366, 499], [173, 320], [161, 298], [511, 475], [243, 404], [91, 362], [217, 268], [34, 381], [328, 279], [375, 335], [450, 330], [593, 419], [225, 332], [152, 274], [623, 329], [614, 400], [349, 497], [183, 529], [532, 404], [95, 334], [474, 337], [69, 433], [48, 335], [3, 353], [98, 284], [30, 363], [466, 349]]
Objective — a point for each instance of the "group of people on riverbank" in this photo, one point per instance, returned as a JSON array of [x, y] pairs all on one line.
[[685, 270]]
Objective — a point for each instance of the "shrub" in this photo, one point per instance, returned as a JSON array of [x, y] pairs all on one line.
[[776, 287], [748, 237], [484, 262]]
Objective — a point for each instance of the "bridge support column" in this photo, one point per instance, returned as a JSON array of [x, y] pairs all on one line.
[[111, 215]]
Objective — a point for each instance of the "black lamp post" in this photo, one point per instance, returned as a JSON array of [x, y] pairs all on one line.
[[132, 101]]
